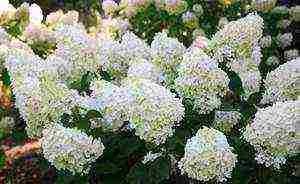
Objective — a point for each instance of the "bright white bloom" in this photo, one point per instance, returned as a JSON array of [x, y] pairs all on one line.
[[199, 77], [7, 11], [70, 149], [208, 156], [226, 120], [167, 52], [112, 28], [206, 102], [155, 110], [238, 38], [285, 40], [283, 83], [39, 98], [113, 59], [273, 133], [249, 74], [35, 14], [134, 47], [200, 42], [38, 33], [142, 68], [79, 49], [150, 157], [113, 102]]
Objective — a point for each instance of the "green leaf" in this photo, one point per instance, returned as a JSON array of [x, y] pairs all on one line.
[[2, 160], [152, 173], [106, 168]]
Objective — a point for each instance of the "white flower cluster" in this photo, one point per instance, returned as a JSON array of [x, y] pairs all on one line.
[[4, 37], [70, 149], [249, 74], [112, 60], [151, 109], [222, 22], [273, 133], [237, 44], [134, 47], [200, 78], [167, 52], [109, 7], [112, 28], [226, 120], [208, 156], [78, 49], [39, 97], [9, 13], [35, 33], [113, 102], [116, 57], [144, 69], [238, 39], [155, 111], [283, 83]]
